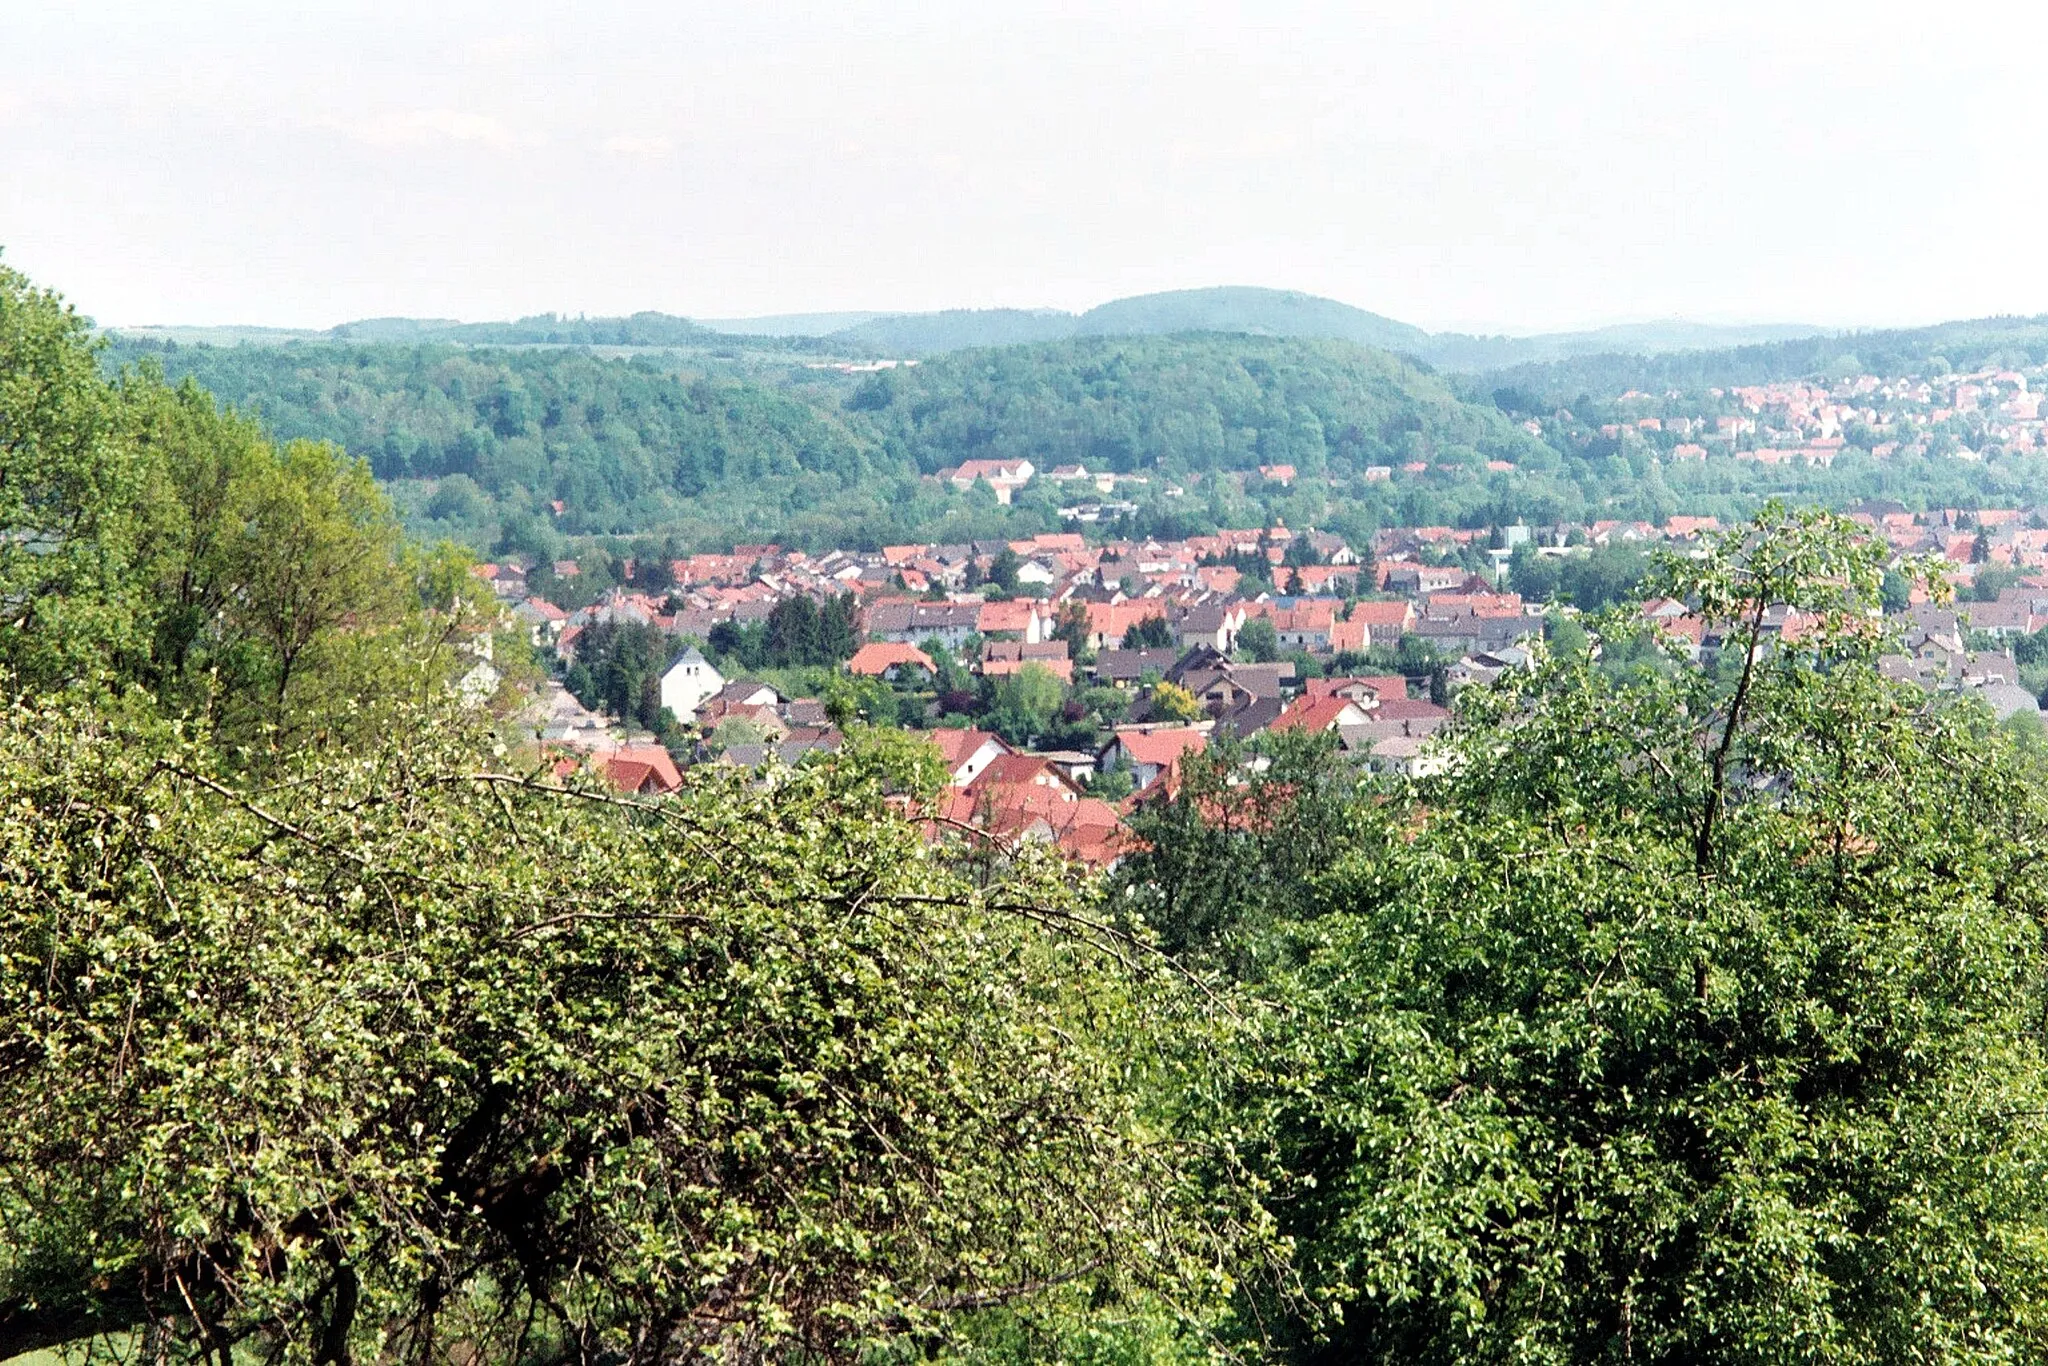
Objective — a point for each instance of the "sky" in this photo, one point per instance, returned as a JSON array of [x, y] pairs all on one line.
[[1502, 166]]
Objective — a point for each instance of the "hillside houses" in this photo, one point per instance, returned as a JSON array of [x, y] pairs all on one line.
[[1112, 620]]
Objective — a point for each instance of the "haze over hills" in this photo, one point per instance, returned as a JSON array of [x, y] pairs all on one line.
[[1228, 309], [793, 324]]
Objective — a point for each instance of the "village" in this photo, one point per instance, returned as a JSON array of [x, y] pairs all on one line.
[[1957, 416], [1063, 683]]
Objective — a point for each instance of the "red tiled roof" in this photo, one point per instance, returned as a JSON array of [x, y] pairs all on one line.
[[1161, 747], [877, 657], [956, 747], [1313, 713], [1023, 770], [1383, 614], [642, 769]]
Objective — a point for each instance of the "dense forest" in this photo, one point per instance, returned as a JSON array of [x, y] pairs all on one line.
[[1682, 1013], [485, 441], [479, 444]]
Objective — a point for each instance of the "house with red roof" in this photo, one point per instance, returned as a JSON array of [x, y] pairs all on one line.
[[1005, 477], [1026, 770], [1001, 658], [888, 659], [1367, 690], [1021, 618], [966, 753], [1370, 624], [1086, 829], [1109, 622], [1317, 714], [1151, 754], [642, 770], [1306, 625]]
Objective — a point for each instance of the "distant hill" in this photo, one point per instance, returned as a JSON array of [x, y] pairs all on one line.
[[1185, 404], [1235, 309], [1260, 312], [641, 329], [482, 442], [924, 334], [230, 335], [790, 324], [1462, 352], [394, 329]]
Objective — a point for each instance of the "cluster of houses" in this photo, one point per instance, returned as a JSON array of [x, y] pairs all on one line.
[[1810, 422], [1131, 615], [1004, 790]]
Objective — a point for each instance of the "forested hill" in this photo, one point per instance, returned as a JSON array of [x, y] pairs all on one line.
[[1941, 349], [481, 442], [1181, 404]]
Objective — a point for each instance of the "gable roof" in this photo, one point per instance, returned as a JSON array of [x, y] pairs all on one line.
[[1319, 714], [956, 747], [641, 769], [1023, 770], [877, 657], [1160, 747]]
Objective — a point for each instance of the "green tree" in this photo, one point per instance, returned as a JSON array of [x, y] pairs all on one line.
[[1259, 640], [1026, 702], [1149, 633], [1237, 849], [75, 496], [1002, 570], [1896, 592], [1071, 625], [1172, 702], [1664, 971], [410, 1056], [314, 550]]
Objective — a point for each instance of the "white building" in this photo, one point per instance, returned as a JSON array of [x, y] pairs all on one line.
[[689, 682]]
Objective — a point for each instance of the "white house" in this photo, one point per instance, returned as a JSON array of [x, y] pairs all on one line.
[[688, 682]]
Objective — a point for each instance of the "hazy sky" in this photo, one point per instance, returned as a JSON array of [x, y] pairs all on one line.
[[1503, 166]]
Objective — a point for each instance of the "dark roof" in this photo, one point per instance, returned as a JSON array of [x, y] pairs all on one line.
[[1251, 715], [1134, 664]]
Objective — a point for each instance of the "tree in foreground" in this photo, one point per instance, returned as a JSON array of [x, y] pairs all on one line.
[[1692, 1015], [401, 1056]]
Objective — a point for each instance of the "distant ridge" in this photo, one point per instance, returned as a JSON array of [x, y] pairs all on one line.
[[956, 329], [791, 324], [1241, 309], [1261, 312]]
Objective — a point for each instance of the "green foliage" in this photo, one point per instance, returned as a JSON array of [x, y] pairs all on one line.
[[147, 538], [1172, 702], [1933, 350], [1259, 640], [1187, 403], [1150, 633], [481, 443], [1240, 847], [1596, 579], [798, 632], [405, 1057], [1026, 703], [1688, 1015], [75, 497], [1991, 580], [618, 671]]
